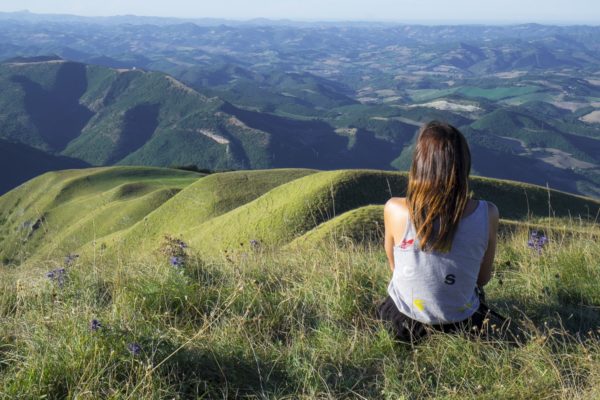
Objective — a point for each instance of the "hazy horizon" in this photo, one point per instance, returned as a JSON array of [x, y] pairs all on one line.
[[385, 11]]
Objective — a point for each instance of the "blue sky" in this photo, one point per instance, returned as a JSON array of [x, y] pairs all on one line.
[[501, 11]]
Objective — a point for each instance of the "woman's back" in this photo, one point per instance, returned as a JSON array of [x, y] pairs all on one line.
[[440, 244], [440, 287]]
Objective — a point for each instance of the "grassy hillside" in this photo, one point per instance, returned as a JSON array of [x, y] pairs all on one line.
[[291, 324], [263, 284], [58, 212], [361, 225], [202, 201], [127, 210], [289, 210], [520, 205]]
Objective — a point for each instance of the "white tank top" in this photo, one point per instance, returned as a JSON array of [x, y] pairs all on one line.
[[439, 288]]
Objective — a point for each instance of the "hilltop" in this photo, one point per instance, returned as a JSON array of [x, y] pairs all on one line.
[[126, 210]]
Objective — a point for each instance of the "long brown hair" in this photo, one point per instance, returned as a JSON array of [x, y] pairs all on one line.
[[438, 184]]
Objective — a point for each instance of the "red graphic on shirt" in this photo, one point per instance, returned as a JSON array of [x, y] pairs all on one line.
[[406, 243]]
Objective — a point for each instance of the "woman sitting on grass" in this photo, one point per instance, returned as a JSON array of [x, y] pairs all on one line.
[[440, 244]]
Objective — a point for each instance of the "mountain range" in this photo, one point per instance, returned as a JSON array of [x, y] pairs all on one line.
[[254, 95]]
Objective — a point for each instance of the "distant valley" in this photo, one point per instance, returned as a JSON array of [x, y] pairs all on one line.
[[98, 92]]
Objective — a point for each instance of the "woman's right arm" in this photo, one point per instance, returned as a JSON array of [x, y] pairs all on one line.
[[487, 264], [388, 218], [394, 221]]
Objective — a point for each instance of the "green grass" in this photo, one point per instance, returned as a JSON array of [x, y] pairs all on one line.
[[292, 209], [498, 93], [127, 210], [201, 201], [360, 225], [494, 94], [290, 317], [59, 212], [292, 324]]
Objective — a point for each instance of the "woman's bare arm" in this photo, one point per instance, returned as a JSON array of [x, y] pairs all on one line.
[[393, 220], [388, 238], [487, 264]]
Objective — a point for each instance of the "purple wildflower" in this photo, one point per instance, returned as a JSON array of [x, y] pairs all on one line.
[[134, 348], [57, 275], [176, 261], [537, 241], [95, 325], [255, 244], [70, 258]]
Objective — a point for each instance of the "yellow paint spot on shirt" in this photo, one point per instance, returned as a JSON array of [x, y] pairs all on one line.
[[420, 304]]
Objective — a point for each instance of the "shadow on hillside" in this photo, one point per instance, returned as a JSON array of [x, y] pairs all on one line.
[[223, 374], [371, 152], [577, 320], [590, 146], [139, 125], [315, 144], [231, 374], [57, 113], [19, 163], [520, 168]]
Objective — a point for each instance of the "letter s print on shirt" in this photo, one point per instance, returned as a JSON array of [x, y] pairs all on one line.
[[450, 279]]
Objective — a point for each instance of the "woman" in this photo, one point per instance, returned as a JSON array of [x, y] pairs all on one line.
[[440, 244]]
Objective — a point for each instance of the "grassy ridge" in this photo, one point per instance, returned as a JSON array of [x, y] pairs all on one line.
[[61, 211], [128, 210], [289, 210], [201, 201]]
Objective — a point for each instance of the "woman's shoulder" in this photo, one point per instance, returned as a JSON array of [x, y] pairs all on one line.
[[492, 209], [399, 205], [396, 204], [493, 215], [395, 209]]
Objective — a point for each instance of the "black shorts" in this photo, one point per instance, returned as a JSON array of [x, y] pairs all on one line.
[[406, 329]]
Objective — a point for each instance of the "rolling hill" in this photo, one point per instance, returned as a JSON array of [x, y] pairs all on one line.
[[129, 210], [77, 206]]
